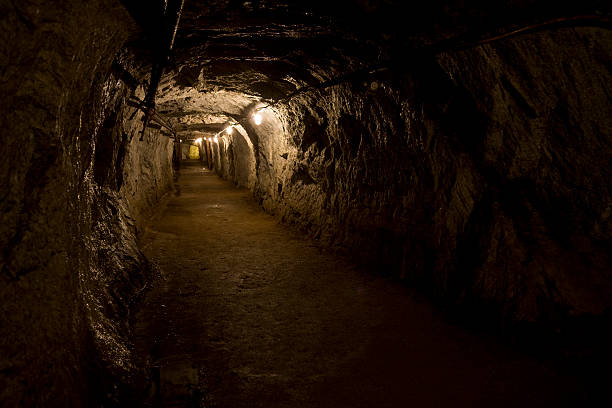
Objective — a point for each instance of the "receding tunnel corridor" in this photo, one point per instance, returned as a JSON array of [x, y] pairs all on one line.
[[352, 203], [250, 314]]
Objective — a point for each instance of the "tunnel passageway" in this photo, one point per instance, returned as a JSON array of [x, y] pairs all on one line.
[[249, 313], [380, 203]]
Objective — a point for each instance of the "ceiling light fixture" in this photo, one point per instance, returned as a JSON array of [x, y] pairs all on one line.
[[216, 139], [229, 130], [257, 118]]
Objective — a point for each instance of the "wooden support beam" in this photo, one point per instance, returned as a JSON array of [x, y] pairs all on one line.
[[202, 127]]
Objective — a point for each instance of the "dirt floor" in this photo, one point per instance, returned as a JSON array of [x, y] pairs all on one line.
[[249, 313]]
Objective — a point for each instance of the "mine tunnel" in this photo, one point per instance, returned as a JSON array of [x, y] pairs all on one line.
[[347, 203]]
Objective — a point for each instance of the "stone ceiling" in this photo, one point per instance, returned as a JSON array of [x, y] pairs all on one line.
[[229, 54]]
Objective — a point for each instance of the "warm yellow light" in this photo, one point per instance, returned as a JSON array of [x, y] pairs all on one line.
[[257, 118], [216, 139], [194, 152], [229, 130], [198, 140]]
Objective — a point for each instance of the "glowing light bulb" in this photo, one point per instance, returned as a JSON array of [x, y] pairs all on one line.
[[216, 139], [229, 130], [257, 118], [198, 140]]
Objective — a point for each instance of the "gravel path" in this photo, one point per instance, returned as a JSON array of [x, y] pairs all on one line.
[[251, 314]]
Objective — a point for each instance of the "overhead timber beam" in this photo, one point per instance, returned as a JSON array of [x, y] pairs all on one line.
[[201, 127]]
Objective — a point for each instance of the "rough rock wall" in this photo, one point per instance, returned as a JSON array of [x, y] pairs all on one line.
[[236, 158], [69, 265], [543, 217], [185, 151], [146, 165], [480, 175]]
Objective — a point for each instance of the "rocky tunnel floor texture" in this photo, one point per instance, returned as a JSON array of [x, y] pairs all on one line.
[[248, 313]]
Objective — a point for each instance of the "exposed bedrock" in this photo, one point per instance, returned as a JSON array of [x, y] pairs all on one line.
[[75, 185], [481, 175]]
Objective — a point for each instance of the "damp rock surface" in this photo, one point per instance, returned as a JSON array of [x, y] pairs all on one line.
[[74, 187]]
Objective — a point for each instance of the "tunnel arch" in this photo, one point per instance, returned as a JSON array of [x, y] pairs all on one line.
[[243, 157]]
